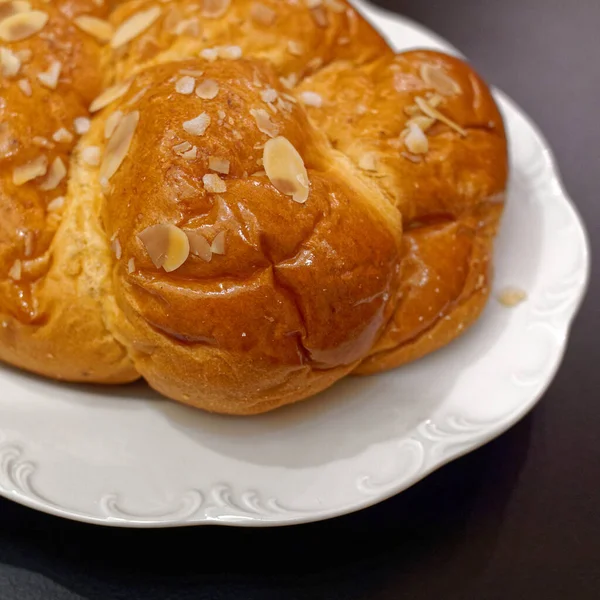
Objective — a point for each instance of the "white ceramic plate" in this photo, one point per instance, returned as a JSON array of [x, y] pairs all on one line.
[[125, 457]]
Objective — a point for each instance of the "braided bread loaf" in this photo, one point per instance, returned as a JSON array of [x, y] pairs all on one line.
[[240, 201]]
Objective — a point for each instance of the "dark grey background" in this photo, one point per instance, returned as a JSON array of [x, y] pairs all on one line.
[[519, 518]]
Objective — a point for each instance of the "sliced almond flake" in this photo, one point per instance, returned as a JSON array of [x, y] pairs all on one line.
[[295, 48], [311, 99], [261, 173], [214, 184], [198, 125], [118, 145], [98, 28], [220, 165], [7, 9], [320, 16], [62, 135], [131, 265], [210, 54], [117, 249], [285, 169], [22, 25], [434, 100], [25, 87], [109, 95], [28, 244], [336, 6], [264, 123], [189, 27], [135, 26], [412, 110], [191, 72], [185, 85], [422, 122], [268, 95], [42, 142], [91, 155], [290, 81], [199, 246], [435, 77], [16, 271], [182, 147], [230, 52], [511, 297], [167, 245], [82, 125], [416, 141], [56, 204], [215, 9], [218, 244], [111, 123], [262, 14], [31, 170], [137, 96], [24, 55], [56, 174], [190, 154], [207, 89], [50, 77], [436, 114], [368, 161], [10, 63]]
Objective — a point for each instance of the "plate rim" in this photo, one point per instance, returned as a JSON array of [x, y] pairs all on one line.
[[504, 423]]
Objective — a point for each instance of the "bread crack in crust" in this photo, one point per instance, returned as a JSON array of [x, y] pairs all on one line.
[[240, 202]]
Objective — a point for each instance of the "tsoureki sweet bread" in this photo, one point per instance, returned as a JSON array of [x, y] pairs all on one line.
[[239, 201]]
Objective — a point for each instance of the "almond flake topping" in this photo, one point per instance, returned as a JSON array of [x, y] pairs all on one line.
[[218, 244], [91, 155], [50, 77], [511, 297], [199, 245], [118, 146], [109, 95], [311, 99], [82, 125], [56, 174], [185, 85], [198, 125], [285, 169], [368, 161], [62, 135], [56, 204], [295, 48], [220, 165], [415, 140], [167, 245], [262, 14], [264, 123], [25, 87], [10, 63], [427, 109], [31, 170], [16, 271], [135, 26], [22, 25], [214, 9], [436, 78], [7, 9], [98, 28], [111, 123], [214, 184], [207, 89]]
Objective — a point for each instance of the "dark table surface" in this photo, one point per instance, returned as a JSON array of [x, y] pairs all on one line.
[[519, 518]]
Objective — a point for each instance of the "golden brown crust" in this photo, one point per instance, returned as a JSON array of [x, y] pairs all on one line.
[[301, 294]]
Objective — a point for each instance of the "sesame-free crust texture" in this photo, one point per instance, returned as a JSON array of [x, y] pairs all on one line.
[[326, 206]]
